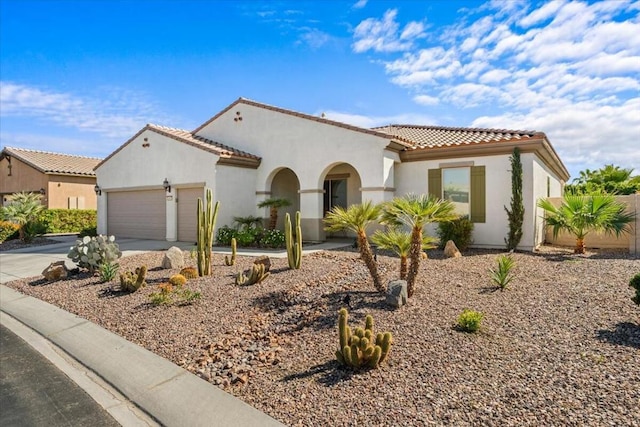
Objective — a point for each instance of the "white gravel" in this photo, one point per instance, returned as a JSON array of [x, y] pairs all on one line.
[[560, 347]]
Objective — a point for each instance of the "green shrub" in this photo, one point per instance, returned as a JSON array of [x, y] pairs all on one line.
[[224, 235], [89, 231], [108, 271], [459, 230], [469, 320], [272, 239], [502, 275], [33, 229], [248, 236], [635, 283], [167, 295], [91, 252], [68, 220], [8, 231]]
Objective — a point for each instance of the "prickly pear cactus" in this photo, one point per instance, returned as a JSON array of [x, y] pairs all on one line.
[[360, 348], [92, 252]]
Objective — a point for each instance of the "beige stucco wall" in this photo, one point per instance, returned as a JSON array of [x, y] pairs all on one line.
[[61, 188], [593, 240], [535, 216]]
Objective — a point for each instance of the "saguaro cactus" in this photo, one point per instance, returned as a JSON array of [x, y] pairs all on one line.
[[206, 224], [294, 249], [360, 348]]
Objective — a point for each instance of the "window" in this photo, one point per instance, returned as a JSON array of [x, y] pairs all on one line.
[[464, 186], [335, 194]]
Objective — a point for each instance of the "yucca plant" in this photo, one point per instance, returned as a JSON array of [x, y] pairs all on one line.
[[108, 271], [502, 276]]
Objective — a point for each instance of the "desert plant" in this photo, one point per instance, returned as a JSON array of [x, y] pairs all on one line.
[[362, 348], [294, 249], [502, 276], [250, 277], [399, 242], [177, 280], [516, 213], [274, 204], [24, 208], [415, 212], [189, 272], [460, 230], [108, 271], [579, 215], [8, 230], [358, 218], [168, 294], [91, 252], [470, 320], [231, 260], [206, 224], [247, 222], [163, 296], [33, 229], [273, 239], [635, 283], [131, 281]]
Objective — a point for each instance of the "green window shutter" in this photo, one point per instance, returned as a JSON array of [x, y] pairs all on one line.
[[435, 183], [478, 194]]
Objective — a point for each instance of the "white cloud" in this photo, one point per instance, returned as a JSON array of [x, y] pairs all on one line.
[[360, 4], [314, 37], [426, 100], [539, 15], [374, 121], [384, 36]]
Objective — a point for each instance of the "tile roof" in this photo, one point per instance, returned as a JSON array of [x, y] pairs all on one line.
[[54, 163], [440, 136]]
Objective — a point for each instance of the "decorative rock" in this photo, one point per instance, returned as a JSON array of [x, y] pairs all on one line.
[[397, 293], [56, 271], [173, 258], [264, 260], [451, 250]]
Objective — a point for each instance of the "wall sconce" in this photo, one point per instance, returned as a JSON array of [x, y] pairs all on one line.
[[98, 190], [42, 191], [166, 185]]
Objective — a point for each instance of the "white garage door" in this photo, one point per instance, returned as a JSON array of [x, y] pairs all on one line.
[[187, 213], [137, 214]]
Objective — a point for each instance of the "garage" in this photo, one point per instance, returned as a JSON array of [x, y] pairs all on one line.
[[187, 213], [137, 214]]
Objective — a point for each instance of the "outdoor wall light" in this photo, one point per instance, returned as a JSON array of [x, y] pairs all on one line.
[[97, 190], [42, 191], [166, 185]]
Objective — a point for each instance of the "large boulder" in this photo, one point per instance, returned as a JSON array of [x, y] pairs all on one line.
[[173, 258], [397, 293], [451, 250], [56, 271], [264, 260]]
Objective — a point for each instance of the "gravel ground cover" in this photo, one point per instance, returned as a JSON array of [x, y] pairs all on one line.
[[560, 347]]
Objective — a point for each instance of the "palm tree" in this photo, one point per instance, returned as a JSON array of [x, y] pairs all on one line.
[[24, 208], [399, 242], [274, 205], [579, 215], [415, 212], [358, 218]]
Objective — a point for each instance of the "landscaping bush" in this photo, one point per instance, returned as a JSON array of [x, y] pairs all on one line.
[[248, 236], [8, 231], [33, 229], [272, 239], [635, 283], [459, 230], [224, 235], [469, 320], [68, 220]]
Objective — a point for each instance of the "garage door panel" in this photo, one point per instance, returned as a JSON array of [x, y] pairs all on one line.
[[187, 213], [137, 214]]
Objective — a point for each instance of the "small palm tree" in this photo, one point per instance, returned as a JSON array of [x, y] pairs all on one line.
[[24, 208], [415, 212], [358, 218], [274, 205], [247, 222], [399, 242], [580, 214]]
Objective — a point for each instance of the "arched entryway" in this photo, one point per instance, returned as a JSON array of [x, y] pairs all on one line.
[[285, 185], [342, 186]]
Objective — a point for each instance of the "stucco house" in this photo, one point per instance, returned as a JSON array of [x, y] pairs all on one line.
[[64, 181], [251, 151]]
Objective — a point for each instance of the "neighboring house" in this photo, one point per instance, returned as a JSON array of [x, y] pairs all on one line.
[[251, 151], [65, 181]]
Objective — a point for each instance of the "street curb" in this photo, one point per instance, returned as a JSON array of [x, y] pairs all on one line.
[[170, 394]]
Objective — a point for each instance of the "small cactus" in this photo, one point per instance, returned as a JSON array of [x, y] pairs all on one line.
[[294, 249], [132, 281], [178, 280], [232, 260], [359, 349], [256, 275], [189, 272]]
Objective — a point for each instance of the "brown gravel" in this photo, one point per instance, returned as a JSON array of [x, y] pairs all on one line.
[[10, 245], [560, 347]]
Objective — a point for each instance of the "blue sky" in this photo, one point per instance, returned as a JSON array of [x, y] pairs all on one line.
[[82, 77]]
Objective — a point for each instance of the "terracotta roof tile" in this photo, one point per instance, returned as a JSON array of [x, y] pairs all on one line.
[[440, 136], [54, 163]]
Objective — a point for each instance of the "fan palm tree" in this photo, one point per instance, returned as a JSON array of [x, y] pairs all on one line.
[[399, 242], [358, 218], [274, 205], [415, 212], [24, 208], [579, 215]]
